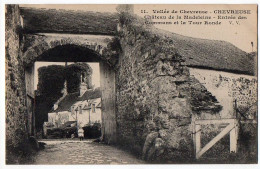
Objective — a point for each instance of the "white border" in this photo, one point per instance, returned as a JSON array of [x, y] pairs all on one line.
[[2, 80], [130, 2]]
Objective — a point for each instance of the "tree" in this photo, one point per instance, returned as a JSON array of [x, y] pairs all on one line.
[[51, 80], [73, 76], [51, 83]]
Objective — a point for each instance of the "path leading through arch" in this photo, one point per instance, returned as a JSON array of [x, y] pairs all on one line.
[[66, 152]]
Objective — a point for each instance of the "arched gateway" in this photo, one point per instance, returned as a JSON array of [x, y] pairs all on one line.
[[153, 91], [73, 48]]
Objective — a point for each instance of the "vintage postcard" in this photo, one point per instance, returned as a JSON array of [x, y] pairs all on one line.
[[131, 84]]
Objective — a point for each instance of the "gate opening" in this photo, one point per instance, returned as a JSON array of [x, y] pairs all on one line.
[[70, 88]]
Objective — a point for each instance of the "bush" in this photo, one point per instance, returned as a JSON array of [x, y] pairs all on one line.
[[92, 131]]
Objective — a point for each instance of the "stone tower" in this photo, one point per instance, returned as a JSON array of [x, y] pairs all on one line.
[[83, 85]]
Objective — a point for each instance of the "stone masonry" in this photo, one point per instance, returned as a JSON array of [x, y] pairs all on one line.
[[154, 90], [156, 97], [16, 116]]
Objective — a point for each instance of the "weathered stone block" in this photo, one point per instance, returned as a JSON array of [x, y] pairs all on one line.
[[54, 43], [173, 139], [162, 121], [163, 133], [177, 107], [159, 143], [165, 68], [168, 96], [181, 78]]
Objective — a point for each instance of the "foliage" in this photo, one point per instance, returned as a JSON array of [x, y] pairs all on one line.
[[73, 74], [50, 85], [51, 80]]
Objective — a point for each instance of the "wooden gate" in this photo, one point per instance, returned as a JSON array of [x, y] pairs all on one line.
[[232, 128]]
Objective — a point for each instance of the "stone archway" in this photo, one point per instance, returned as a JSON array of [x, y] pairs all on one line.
[[35, 45], [35, 48]]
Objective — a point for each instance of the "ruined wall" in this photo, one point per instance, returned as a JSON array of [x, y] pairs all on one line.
[[14, 82], [155, 94]]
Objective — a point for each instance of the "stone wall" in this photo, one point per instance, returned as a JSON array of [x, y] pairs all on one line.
[[156, 96], [237, 94], [16, 114], [228, 88], [37, 44]]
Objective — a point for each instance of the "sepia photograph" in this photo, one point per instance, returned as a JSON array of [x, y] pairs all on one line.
[[109, 84]]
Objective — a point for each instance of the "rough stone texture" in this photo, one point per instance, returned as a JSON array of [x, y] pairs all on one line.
[[16, 114], [75, 152], [156, 96], [36, 45], [14, 88], [228, 87]]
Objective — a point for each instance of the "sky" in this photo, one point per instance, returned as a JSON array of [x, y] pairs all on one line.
[[240, 35], [93, 65]]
